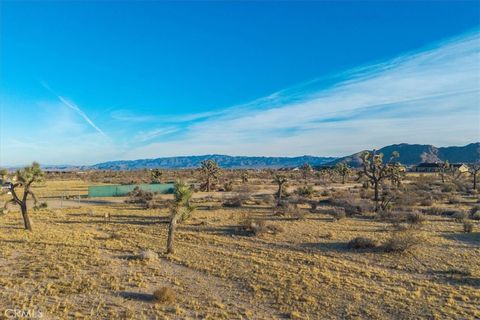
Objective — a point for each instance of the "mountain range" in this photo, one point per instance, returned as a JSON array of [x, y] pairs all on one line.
[[410, 154]]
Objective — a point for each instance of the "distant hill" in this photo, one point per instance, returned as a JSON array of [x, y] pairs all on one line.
[[229, 162], [411, 154]]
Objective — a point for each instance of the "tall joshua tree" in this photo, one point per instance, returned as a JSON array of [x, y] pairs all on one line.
[[306, 170], [210, 170], [474, 169], [375, 171], [343, 170], [180, 210], [281, 181], [23, 179]]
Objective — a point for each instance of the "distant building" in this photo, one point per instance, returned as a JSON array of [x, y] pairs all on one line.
[[437, 167]]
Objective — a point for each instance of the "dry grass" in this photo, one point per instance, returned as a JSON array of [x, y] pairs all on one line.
[[70, 266]]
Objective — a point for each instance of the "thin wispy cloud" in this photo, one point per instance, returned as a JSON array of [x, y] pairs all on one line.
[[74, 107], [428, 96]]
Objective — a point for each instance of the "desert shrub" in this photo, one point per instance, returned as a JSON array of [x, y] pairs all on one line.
[[437, 211], [362, 243], [366, 194], [406, 199], [257, 227], [148, 255], [237, 200], [454, 200], [459, 216], [467, 227], [414, 218], [426, 202], [297, 214], [164, 295], [475, 212], [475, 216], [138, 196], [337, 213], [351, 205], [283, 207], [306, 191], [402, 241], [313, 206], [449, 187], [325, 193], [228, 186], [267, 199]]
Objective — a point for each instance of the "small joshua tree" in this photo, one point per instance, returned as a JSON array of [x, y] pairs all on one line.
[[474, 169], [210, 171], [23, 179], [343, 170], [281, 181], [306, 170], [244, 177], [180, 210], [375, 171], [156, 175]]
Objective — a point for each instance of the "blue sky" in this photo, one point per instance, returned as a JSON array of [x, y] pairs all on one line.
[[87, 82]]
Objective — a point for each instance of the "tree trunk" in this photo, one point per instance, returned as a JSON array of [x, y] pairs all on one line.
[[208, 183], [26, 218], [375, 186], [474, 180], [343, 179], [171, 234]]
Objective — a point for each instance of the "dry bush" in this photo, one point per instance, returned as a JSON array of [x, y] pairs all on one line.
[[305, 191], [325, 193], [455, 200], [138, 196], [362, 243], [448, 188], [475, 212], [350, 204], [467, 227], [148, 255], [297, 214], [257, 227], [437, 211], [336, 213], [164, 295], [426, 202], [459, 216], [402, 241], [414, 218], [237, 200]]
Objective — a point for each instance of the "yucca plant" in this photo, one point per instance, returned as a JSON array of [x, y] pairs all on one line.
[[180, 210]]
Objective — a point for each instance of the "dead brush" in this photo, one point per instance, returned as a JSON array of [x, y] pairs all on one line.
[[164, 295], [362, 243], [257, 227], [402, 241]]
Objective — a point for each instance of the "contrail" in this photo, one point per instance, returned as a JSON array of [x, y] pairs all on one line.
[[74, 107]]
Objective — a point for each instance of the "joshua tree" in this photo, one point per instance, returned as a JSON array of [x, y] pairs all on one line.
[[306, 170], [343, 170], [180, 210], [375, 170], [244, 177], [474, 169], [210, 170], [24, 179], [281, 181], [156, 175]]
